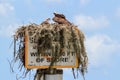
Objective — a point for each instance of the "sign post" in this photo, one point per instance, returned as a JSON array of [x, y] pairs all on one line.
[[33, 59], [42, 61], [43, 74]]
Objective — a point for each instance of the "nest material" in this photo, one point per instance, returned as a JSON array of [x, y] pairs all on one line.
[[56, 38]]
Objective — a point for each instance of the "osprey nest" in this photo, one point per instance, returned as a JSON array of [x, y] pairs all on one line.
[[57, 37]]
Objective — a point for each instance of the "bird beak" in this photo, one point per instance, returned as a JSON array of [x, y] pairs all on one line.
[[54, 13]]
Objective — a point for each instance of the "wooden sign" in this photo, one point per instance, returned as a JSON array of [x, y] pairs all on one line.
[[33, 59]]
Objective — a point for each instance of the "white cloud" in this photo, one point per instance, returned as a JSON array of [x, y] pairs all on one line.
[[5, 8], [8, 31], [83, 2], [7, 18], [53, 0], [100, 49], [89, 22], [118, 12]]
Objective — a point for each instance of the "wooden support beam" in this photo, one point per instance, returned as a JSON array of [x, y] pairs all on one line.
[[44, 74]]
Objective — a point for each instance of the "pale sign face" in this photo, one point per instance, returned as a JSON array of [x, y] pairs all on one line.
[[33, 59]]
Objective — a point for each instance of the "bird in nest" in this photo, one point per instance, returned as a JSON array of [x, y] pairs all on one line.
[[46, 21], [60, 19]]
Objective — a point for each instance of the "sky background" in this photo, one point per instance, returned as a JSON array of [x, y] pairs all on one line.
[[98, 19]]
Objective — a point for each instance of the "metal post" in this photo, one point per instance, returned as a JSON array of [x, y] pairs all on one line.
[[44, 74]]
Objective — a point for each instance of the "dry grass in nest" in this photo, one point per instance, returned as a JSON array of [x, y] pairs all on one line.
[[55, 37]]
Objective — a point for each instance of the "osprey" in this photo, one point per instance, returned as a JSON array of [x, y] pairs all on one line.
[[60, 19], [59, 15]]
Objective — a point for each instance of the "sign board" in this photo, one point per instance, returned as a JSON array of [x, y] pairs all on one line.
[[35, 60]]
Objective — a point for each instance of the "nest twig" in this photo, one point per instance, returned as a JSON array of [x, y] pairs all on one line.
[[57, 38]]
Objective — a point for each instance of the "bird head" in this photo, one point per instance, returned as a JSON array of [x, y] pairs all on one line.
[[55, 13]]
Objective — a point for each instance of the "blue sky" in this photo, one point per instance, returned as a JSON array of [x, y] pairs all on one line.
[[99, 20]]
